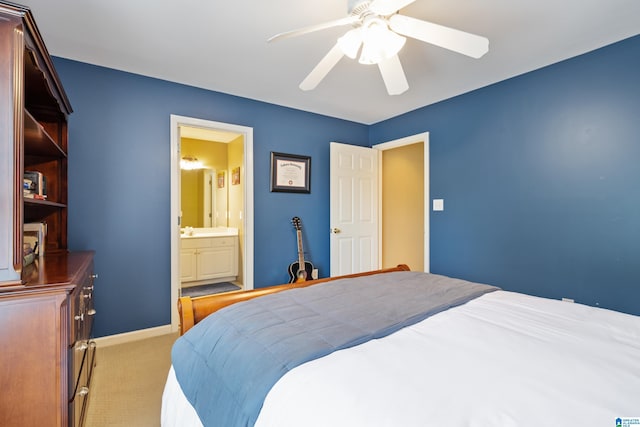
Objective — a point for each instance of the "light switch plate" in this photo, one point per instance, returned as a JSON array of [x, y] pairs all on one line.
[[438, 204]]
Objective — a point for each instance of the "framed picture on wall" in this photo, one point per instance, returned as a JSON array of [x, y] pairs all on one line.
[[290, 173], [235, 176]]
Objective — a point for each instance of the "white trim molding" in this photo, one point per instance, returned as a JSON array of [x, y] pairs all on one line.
[[133, 336], [247, 265], [408, 140]]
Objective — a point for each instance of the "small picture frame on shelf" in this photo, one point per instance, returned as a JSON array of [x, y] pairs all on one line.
[[34, 236]]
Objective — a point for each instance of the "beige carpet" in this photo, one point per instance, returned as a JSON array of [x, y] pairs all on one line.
[[128, 381]]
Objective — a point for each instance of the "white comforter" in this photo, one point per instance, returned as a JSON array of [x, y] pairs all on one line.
[[504, 359]]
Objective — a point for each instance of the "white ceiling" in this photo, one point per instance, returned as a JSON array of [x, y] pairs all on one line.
[[221, 46]]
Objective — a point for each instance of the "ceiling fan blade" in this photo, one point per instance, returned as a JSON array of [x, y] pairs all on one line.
[[393, 75], [325, 65], [388, 7], [448, 38], [293, 33]]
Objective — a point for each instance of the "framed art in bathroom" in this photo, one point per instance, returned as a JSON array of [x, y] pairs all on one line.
[[235, 176]]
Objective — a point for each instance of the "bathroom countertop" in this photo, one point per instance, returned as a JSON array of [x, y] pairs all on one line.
[[208, 232]]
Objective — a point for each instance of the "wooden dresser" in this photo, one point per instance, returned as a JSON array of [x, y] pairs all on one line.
[[47, 355], [46, 305]]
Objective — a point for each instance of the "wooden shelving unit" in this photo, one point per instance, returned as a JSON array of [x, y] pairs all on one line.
[[46, 307], [37, 142]]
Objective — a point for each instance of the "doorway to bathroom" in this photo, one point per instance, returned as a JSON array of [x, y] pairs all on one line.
[[212, 207]]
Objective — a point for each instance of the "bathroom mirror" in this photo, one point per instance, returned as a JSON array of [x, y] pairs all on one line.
[[204, 192]]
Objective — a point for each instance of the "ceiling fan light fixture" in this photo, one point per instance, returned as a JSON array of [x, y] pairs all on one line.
[[379, 42], [350, 43], [379, 33]]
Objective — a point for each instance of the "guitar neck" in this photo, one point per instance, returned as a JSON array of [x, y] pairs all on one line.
[[300, 251]]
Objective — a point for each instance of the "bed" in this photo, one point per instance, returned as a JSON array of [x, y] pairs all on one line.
[[400, 348]]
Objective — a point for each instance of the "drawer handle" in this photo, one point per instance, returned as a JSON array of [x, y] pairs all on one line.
[[88, 288], [83, 391], [82, 347], [79, 317], [91, 312], [94, 276]]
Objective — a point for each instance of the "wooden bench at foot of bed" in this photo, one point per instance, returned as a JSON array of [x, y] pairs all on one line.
[[193, 310]]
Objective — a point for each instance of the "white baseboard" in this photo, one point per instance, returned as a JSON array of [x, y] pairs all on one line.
[[133, 336]]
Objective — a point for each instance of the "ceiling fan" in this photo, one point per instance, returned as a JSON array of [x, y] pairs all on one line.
[[380, 30]]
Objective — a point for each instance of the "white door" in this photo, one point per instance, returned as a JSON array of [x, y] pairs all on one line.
[[353, 216]]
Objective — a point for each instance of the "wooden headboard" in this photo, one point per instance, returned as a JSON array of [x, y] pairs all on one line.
[[193, 310]]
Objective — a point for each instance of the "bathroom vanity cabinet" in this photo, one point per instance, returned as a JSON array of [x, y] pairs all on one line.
[[208, 259]]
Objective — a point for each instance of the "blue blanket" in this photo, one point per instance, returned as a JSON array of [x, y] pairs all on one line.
[[227, 363]]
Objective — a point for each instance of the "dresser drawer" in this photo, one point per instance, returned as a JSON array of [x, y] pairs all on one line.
[[76, 358], [82, 309], [79, 391], [81, 350]]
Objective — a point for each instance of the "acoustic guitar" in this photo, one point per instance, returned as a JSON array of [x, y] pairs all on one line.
[[300, 270]]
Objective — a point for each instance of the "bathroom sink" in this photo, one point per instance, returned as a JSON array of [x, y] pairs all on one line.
[[191, 233]]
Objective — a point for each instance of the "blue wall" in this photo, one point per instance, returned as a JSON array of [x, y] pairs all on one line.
[[539, 174], [119, 184], [541, 179]]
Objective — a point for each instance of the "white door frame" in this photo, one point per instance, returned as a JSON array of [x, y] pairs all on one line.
[[247, 215], [408, 140]]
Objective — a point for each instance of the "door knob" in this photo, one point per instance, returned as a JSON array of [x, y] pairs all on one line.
[[335, 230]]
